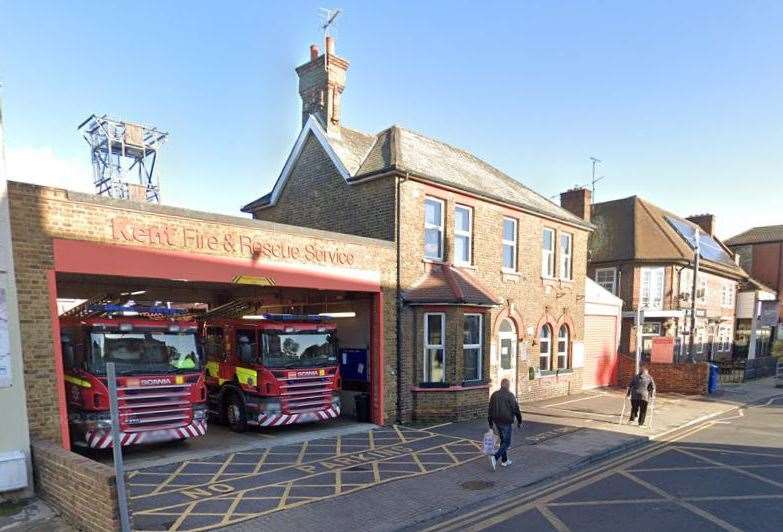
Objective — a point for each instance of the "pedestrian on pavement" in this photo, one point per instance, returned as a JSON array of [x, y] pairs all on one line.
[[641, 390], [503, 409]]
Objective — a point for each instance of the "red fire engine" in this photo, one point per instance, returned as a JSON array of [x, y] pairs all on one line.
[[277, 370], [160, 384]]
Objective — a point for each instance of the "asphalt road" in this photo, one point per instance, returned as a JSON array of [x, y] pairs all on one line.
[[726, 474]]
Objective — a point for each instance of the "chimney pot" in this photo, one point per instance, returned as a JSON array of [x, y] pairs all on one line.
[[330, 45], [313, 52]]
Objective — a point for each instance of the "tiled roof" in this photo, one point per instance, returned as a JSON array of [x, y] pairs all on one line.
[[403, 150], [444, 283], [633, 229], [757, 235]]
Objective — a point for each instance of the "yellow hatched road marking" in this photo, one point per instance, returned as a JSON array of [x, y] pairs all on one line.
[[732, 468], [555, 521], [302, 452], [171, 477], [284, 465], [371, 440], [261, 461], [222, 468], [685, 504], [338, 482], [556, 489], [185, 514]]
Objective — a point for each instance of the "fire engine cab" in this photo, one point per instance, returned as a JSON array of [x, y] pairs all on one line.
[[160, 384], [278, 369]]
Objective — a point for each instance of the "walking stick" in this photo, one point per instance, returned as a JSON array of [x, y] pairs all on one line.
[[622, 414], [652, 412]]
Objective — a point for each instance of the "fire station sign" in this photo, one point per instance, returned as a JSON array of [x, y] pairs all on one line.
[[250, 244]]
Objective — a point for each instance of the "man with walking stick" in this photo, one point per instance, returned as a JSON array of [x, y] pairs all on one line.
[[641, 390]]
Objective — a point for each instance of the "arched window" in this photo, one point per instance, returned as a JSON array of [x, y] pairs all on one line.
[[562, 347], [545, 348]]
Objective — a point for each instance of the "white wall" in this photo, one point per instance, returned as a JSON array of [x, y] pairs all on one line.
[[14, 431]]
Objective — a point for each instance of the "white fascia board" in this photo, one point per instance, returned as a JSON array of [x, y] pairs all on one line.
[[311, 126]]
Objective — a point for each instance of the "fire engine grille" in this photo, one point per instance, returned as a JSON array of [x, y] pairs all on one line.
[[305, 394], [154, 407]]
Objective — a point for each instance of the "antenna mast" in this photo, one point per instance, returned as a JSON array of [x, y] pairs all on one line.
[[594, 180], [120, 149], [329, 15]]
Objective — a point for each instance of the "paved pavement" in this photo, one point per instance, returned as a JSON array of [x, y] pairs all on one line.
[[723, 474], [393, 477]]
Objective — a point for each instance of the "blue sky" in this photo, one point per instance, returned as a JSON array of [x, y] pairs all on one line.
[[682, 100]]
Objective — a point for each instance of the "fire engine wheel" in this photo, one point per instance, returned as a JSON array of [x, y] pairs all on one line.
[[235, 413]]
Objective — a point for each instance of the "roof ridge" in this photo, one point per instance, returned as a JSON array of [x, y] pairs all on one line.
[[484, 163]]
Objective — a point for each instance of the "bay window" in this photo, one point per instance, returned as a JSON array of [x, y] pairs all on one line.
[[471, 347], [435, 347]]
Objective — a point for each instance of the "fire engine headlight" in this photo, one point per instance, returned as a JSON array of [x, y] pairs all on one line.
[[199, 413], [272, 407], [97, 421]]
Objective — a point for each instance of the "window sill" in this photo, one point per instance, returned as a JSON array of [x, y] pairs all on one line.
[[555, 373], [465, 266], [424, 387], [432, 261], [433, 385], [507, 271]]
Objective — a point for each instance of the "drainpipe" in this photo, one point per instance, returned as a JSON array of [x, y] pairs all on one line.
[[398, 298]]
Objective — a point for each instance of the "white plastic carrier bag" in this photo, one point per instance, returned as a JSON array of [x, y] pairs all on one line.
[[489, 442]]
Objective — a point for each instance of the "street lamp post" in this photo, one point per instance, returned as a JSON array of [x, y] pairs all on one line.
[[696, 261]]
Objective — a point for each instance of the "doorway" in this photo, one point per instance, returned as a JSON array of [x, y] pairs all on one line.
[[507, 354]]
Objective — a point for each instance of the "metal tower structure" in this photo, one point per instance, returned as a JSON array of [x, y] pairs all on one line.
[[123, 158]]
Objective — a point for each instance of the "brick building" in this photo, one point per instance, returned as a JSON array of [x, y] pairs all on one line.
[[760, 252], [488, 275], [644, 255]]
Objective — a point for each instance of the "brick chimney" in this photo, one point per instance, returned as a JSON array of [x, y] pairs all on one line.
[[705, 221], [578, 201], [321, 84]]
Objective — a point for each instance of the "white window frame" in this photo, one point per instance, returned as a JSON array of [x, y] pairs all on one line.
[[548, 255], [511, 243], [658, 278], [727, 294], [478, 346], [724, 336], [701, 286], [464, 234], [541, 355], [598, 271], [566, 261], [427, 346], [433, 226], [565, 354]]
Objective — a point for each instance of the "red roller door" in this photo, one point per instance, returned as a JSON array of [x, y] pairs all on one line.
[[600, 351]]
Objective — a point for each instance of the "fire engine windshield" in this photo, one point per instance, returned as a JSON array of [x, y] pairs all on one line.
[[299, 350], [143, 352]]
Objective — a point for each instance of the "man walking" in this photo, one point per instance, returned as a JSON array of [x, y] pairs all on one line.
[[503, 409], [641, 390]]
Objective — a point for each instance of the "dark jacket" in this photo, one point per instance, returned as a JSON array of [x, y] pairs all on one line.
[[503, 408], [642, 387]]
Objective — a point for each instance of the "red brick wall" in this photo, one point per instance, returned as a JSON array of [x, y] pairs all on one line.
[[689, 379], [82, 490]]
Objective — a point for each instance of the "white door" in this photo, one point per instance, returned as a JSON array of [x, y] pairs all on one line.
[[506, 362]]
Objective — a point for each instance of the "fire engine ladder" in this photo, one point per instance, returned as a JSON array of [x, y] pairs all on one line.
[[88, 308], [233, 309]]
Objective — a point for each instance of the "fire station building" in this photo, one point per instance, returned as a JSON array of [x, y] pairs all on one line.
[[455, 275], [487, 275]]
